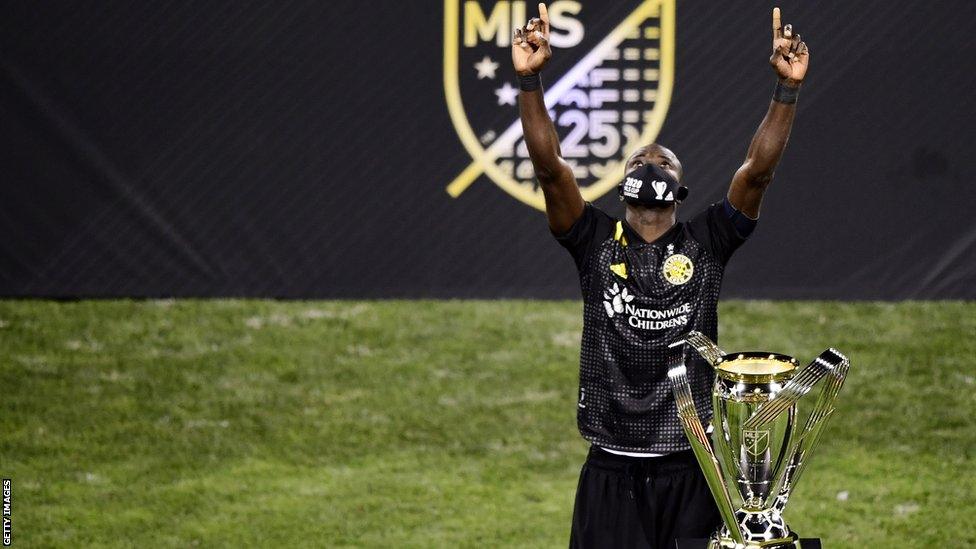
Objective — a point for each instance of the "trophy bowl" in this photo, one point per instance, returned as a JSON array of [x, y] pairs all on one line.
[[758, 446]]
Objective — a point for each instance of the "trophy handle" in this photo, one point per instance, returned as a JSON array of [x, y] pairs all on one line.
[[678, 374], [814, 426], [711, 352], [828, 361]]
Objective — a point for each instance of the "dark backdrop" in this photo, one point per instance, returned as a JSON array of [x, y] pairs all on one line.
[[301, 149]]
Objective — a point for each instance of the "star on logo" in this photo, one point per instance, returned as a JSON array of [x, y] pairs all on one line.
[[486, 68], [506, 94]]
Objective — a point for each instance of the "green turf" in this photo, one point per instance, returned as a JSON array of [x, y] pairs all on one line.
[[427, 423]]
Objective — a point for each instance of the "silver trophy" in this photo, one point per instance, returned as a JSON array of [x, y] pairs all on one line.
[[756, 452]]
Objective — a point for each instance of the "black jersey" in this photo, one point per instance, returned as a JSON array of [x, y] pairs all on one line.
[[638, 298]]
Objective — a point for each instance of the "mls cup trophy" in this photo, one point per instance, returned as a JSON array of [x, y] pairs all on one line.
[[759, 451]]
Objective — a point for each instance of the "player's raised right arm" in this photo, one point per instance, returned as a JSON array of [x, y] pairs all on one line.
[[530, 53]]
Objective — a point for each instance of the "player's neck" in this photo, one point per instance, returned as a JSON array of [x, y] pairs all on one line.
[[650, 223]]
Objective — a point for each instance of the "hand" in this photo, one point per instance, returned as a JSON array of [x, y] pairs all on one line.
[[790, 54], [530, 45]]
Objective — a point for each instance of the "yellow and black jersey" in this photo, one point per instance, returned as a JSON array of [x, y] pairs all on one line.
[[638, 298]]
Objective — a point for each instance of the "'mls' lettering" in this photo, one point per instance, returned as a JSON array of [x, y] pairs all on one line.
[[567, 30]]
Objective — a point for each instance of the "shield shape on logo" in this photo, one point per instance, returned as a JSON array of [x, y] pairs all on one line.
[[607, 88], [755, 442]]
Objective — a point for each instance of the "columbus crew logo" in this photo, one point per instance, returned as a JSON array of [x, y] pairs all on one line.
[[678, 269], [607, 87]]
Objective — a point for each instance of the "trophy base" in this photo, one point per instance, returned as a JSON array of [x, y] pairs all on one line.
[[702, 543], [789, 542], [762, 529]]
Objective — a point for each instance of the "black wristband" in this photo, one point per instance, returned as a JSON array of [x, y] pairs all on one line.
[[529, 83], [785, 94]]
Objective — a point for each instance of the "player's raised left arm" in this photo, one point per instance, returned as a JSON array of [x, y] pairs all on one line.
[[789, 59]]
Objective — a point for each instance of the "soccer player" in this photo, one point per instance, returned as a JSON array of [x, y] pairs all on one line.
[[647, 280]]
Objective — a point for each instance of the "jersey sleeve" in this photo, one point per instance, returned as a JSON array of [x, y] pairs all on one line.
[[582, 239], [715, 228]]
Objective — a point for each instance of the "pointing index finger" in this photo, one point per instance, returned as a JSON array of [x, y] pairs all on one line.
[[777, 25], [544, 15]]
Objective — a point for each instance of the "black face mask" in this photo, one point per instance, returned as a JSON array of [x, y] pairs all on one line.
[[650, 185]]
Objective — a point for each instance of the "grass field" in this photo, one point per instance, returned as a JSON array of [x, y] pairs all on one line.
[[428, 423]]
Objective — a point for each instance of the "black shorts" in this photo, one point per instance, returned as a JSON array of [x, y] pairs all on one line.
[[628, 502]]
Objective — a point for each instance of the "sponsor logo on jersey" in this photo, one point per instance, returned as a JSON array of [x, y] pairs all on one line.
[[617, 302], [607, 88], [615, 299], [677, 269]]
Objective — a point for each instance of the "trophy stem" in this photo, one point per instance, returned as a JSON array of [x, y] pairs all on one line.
[[702, 448]]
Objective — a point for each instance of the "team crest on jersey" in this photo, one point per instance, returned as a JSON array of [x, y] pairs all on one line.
[[607, 87], [678, 269]]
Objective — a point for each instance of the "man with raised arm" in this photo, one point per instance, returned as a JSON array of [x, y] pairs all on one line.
[[647, 280]]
